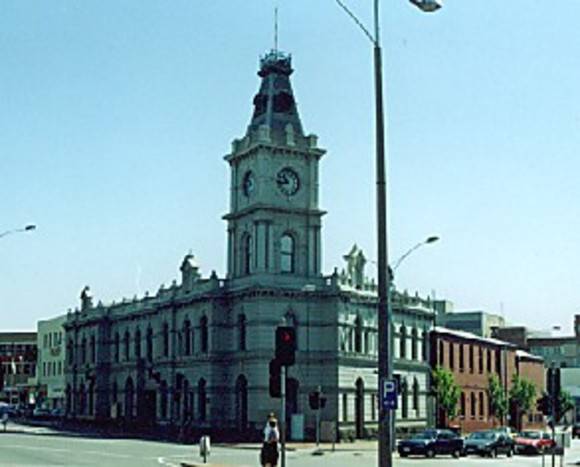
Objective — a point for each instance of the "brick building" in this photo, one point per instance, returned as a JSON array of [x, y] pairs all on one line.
[[17, 366], [472, 360]]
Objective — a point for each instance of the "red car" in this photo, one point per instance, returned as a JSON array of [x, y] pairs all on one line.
[[533, 442]]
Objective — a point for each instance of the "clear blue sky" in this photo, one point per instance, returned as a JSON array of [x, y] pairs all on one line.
[[114, 117]]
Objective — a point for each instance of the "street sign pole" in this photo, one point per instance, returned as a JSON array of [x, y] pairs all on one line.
[[283, 418], [319, 389]]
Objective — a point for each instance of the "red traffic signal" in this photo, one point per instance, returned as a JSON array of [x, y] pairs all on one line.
[[285, 345]]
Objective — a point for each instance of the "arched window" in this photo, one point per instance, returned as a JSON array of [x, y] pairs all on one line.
[[187, 337], [481, 404], [358, 334], [472, 405], [70, 351], [84, 350], [149, 344], [403, 342], [117, 349], [126, 344], [241, 332], [414, 343], [202, 399], [129, 398], [203, 334], [163, 399], [415, 394], [81, 399], [426, 345], [441, 353], [138, 343], [114, 390], [93, 350], [242, 402], [489, 361], [404, 398], [463, 404], [461, 358], [165, 340], [287, 253], [91, 397], [248, 253], [68, 392]]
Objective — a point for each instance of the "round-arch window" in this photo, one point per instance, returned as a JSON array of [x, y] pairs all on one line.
[[287, 253]]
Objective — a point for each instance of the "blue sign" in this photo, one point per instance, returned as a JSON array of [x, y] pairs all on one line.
[[389, 394]]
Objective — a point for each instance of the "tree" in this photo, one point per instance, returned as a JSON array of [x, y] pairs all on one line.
[[522, 398], [564, 405], [447, 392], [497, 398]]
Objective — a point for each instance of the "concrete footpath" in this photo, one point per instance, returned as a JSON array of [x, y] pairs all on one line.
[[304, 448]]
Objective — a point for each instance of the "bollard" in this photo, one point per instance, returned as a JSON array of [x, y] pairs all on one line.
[[204, 448]]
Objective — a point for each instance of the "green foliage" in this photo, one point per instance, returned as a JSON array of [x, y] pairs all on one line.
[[565, 404], [523, 394], [522, 397], [447, 390], [497, 397]]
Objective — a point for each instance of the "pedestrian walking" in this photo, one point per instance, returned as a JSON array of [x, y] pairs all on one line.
[[269, 453]]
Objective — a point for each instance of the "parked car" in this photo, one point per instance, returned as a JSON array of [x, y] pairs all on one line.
[[41, 413], [57, 413], [489, 443], [430, 443], [533, 442], [507, 430]]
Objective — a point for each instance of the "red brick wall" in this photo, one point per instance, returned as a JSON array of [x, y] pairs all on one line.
[[472, 362]]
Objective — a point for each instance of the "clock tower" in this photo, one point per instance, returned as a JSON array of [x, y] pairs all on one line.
[[274, 221]]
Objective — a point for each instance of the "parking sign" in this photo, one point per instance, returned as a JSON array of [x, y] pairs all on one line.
[[389, 394]]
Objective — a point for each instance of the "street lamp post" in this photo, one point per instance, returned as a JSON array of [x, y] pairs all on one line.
[[383, 308], [26, 228]]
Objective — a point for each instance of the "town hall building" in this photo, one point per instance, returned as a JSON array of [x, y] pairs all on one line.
[[196, 354]]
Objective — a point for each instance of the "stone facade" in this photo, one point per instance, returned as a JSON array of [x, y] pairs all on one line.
[[195, 355]]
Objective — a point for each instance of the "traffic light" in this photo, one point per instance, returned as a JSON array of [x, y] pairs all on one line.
[[314, 400], [275, 378], [554, 382], [543, 404], [285, 345]]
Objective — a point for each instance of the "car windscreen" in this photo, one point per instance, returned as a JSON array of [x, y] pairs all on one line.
[[482, 435], [530, 434]]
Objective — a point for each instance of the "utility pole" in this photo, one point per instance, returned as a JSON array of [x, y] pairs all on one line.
[[283, 417]]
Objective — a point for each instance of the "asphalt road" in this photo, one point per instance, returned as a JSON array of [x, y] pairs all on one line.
[[43, 447]]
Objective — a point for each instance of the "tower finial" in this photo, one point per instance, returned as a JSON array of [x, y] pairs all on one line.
[[276, 29]]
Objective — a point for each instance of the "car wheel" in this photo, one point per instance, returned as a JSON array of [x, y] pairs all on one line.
[[430, 453], [403, 454], [510, 453], [457, 454]]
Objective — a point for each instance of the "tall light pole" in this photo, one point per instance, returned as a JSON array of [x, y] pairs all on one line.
[[427, 241], [383, 307], [26, 228]]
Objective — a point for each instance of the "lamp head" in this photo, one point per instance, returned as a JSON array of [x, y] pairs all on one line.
[[30, 227], [428, 6], [432, 239]]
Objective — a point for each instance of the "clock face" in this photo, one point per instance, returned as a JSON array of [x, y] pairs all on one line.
[[248, 184], [288, 181]]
